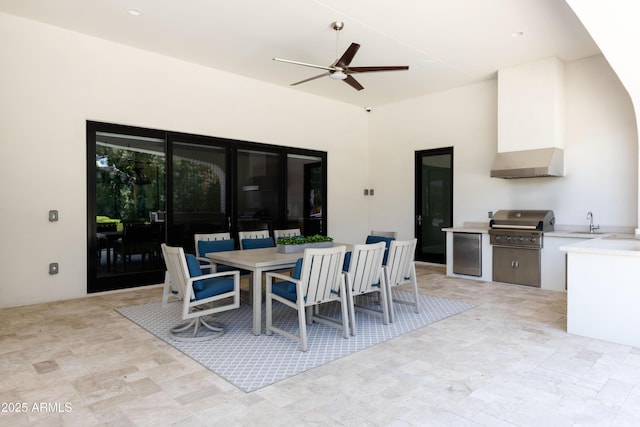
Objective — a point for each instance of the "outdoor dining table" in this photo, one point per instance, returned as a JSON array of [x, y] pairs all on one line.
[[257, 261]]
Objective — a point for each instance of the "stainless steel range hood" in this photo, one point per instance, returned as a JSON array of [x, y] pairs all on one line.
[[529, 163]]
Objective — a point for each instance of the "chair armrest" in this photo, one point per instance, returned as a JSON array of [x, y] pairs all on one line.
[[212, 275], [204, 259], [281, 276]]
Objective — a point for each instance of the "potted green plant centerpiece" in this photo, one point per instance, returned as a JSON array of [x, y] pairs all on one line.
[[300, 243]]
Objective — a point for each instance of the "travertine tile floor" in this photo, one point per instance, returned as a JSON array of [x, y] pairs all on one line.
[[507, 362]]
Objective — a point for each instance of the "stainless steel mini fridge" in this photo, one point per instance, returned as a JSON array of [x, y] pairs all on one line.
[[467, 254]]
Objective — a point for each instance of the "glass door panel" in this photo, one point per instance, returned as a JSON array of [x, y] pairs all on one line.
[[305, 204], [127, 226], [199, 191], [259, 195], [434, 203]]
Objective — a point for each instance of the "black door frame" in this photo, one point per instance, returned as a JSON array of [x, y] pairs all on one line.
[[122, 281], [419, 214]]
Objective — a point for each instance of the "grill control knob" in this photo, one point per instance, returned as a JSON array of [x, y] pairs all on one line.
[[522, 239], [508, 238]]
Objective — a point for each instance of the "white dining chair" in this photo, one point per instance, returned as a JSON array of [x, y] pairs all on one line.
[[320, 281], [399, 270], [364, 276], [203, 295]]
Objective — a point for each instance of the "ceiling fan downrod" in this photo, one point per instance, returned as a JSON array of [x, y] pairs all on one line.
[[337, 26]]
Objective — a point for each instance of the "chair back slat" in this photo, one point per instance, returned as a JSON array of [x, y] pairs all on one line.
[[256, 234], [321, 274], [365, 267], [399, 262], [290, 232], [177, 268]]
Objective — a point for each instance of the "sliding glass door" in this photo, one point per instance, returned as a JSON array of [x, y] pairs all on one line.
[[199, 186], [128, 183], [146, 187], [258, 189]]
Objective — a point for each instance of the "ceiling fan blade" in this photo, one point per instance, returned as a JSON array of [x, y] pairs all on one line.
[[353, 83], [310, 78], [322, 67], [370, 69], [347, 56]]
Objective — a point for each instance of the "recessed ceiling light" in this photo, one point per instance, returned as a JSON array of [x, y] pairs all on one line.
[[517, 34], [134, 12]]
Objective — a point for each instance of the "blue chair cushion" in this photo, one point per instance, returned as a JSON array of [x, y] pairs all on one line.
[[347, 261], [282, 289], [266, 242], [213, 286], [297, 270], [206, 246], [207, 287], [387, 242], [287, 289]]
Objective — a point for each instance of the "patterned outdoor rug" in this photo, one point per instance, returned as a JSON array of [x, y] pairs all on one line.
[[251, 362]]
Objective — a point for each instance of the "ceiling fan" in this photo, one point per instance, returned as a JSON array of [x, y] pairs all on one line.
[[340, 69]]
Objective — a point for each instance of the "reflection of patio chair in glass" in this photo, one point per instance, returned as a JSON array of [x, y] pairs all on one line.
[[102, 240], [137, 239]]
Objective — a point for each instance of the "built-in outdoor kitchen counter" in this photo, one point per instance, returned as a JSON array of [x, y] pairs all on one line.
[[553, 258], [603, 295]]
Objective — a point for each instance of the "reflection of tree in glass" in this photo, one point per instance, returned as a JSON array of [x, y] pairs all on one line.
[[196, 187], [129, 184]]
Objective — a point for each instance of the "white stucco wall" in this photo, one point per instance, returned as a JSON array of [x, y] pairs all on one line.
[[600, 154], [53, 80]]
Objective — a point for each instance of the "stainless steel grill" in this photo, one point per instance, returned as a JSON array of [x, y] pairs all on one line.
[[520, 228], [517, 240]]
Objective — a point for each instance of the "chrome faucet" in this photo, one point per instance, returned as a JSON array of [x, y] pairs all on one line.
[[592, 227]]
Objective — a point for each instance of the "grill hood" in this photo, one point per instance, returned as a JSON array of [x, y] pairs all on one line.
[[529, 163]]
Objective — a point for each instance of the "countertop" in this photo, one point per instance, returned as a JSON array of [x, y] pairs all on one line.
[[607, 244], [615, 241]]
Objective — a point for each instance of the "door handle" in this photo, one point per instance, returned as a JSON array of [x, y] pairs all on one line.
[[229, 223], [419, 219]]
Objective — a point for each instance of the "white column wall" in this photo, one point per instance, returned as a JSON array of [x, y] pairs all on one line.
[[613, 25]]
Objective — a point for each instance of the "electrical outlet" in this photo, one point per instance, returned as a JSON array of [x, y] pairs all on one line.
[[490, 214], [53, 268], [53, 215], [366, 192], [371, 192]]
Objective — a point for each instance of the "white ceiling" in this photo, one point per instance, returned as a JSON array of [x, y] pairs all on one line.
[[446, 43]]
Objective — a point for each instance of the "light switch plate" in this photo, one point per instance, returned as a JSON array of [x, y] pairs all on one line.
[[53, 268], [53, 215]]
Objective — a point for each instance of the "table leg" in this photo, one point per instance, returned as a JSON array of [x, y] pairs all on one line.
[[257, 301]]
